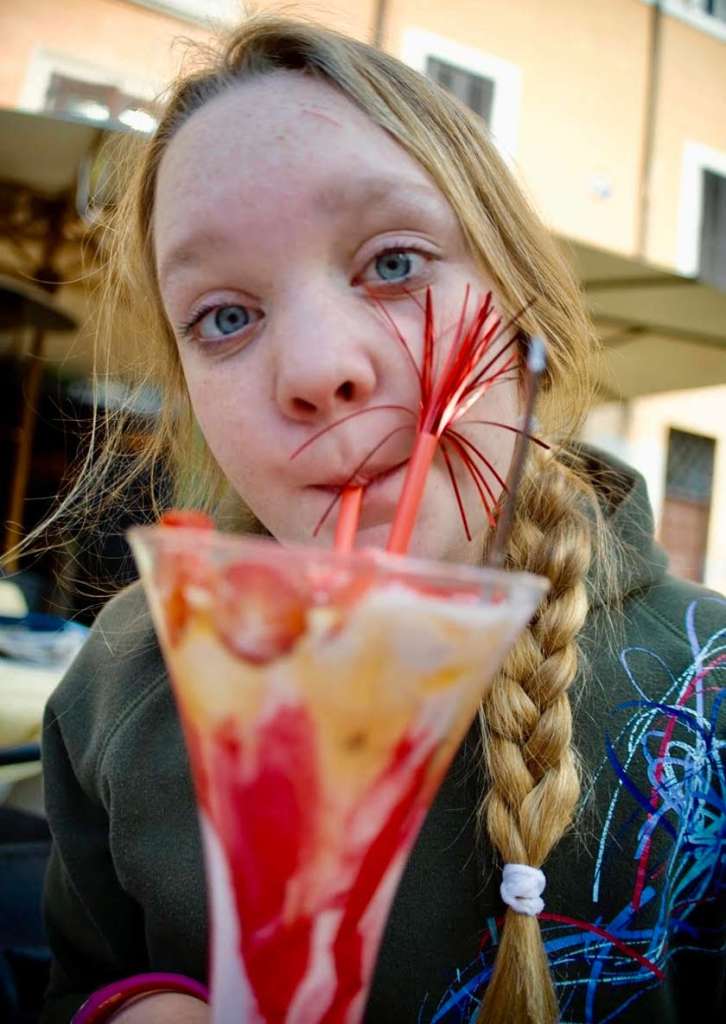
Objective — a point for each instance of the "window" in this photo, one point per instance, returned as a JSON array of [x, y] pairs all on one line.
[[687, 504], [63, 84], [689, 470], [716, 8], [199, 11], [708, 16], [487, 83], [702, 214], [474, 90], [97, 101], [713, 229]]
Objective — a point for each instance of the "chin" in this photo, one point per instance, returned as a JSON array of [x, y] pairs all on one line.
[[372, 537], [430, 545], [458, 549], [432, 541]]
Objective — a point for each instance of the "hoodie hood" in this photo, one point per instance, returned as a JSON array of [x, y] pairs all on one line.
[[624, 499]]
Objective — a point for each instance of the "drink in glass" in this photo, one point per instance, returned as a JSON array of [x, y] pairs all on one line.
[[322, 697]]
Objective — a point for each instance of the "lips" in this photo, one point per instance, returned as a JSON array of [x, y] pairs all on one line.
[[366, 477]]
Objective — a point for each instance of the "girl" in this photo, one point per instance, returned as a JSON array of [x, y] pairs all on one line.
[[302, 192]]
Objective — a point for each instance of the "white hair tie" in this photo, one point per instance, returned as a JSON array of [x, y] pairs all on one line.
[[522, 887]]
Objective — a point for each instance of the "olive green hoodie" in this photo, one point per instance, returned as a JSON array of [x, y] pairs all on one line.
[[635, 905]]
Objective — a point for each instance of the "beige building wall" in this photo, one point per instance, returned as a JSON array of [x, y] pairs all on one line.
[[122, 40], [689, 135], [129, 44], [581, 122], [580, 119], [690, 115]]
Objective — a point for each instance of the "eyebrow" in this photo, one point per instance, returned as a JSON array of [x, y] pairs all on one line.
[[391, 191], [189, 253], [382, 192]]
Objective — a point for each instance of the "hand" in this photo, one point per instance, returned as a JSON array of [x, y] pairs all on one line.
[[162, 1008]]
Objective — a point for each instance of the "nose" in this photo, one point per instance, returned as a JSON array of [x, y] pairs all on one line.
[[325, 366]]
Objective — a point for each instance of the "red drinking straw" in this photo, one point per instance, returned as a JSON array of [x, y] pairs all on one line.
[[448, 398], [411, 493], [348, 517], [444, 398]]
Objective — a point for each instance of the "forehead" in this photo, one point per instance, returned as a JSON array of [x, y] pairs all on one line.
[[283, 138], [280, 110]]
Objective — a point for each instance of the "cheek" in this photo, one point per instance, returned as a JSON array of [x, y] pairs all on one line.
[[229, 412], [501, 408]]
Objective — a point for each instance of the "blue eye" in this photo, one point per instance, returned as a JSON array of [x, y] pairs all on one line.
[[394, 265], [217, 323], [225, 319]]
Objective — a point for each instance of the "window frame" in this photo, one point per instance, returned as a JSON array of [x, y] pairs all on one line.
[[680, 9], [185, 11], [488, 85], [419, 44], [673, 490], [45, 63], [697, 158]]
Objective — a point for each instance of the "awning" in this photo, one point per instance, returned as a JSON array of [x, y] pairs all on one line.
[[44, 153], [661, 331], [45, 166], [26, 305]]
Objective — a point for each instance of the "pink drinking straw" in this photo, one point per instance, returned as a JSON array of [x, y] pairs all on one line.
[[348, 517]]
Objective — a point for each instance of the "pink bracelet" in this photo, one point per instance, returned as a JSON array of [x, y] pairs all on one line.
[[107, 1000]]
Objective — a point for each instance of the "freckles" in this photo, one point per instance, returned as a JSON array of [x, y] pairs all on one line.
[[214, 410], [206, 402], [231, 401], [220, 385]]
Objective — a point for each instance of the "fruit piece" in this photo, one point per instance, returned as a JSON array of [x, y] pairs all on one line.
[[182, 568], [259, 612], [462, 593], [182, 576], [187, 517]]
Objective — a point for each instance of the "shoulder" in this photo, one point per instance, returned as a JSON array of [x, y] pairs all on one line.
[[120, 654], [118, 670], [677, 613], [672, 655]]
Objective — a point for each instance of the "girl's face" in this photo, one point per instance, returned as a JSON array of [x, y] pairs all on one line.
[[284, 219]]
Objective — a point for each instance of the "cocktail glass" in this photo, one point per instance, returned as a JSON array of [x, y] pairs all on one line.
[[322, 697]]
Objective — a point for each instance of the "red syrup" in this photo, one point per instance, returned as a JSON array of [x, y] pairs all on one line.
[[312, 874], [268, 821], [396, 836]]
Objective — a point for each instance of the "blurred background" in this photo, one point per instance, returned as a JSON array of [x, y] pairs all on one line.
[[611, 113]]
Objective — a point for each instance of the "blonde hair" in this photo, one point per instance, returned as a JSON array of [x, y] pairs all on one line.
[[533, 779]]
